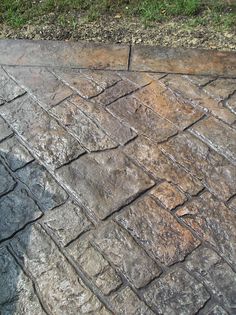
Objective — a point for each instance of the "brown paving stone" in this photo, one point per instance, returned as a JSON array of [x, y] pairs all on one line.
[[157, 230], [125, 254], [168, 105], [213, 222], [7, 183], [139, 78], [104, 181], [104, 79], [40, 83], [217, 135], [82, 127], [200, 80], [105, 120], [221, 88], [144, 120], [45, 136], [203, 163], [5, 130], [169, 195], [231, 103], [176, 293], [149, 155], [232, 203]]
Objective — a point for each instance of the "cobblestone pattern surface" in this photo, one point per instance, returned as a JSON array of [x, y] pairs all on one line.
[[117, 193]]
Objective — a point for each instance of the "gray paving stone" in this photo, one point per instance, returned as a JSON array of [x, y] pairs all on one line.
[[200, 80], [6, 180], [157, 230], [17, 209], [5, 130], [124, 253], [221, 88], [41, 183], [14, 153], [82, 127], [176, 293], [17, 295], [104, 79], [231, 103], [104, 181], [66, 222], [217, 310]]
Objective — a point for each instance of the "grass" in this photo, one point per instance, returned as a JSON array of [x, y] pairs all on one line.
[[17, 13]]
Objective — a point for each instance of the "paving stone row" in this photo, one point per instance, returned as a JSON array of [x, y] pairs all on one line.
[[117, 193]]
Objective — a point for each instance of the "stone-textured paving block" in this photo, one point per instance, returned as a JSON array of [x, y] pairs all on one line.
[[44, 135], [59, 286], [232, 203], [168, 105], [200, 80], [5, 130], [6, 181], [14, 153], [94, 265], [40, 83], [204, 163], [17, 209], [217, 135], [104, 79], [205, 264], [82, 127], [17, 295], [144, 120], [126, 302], [217, 310], [106, 121], [139, 78], [176, 293], [125, 254], [120, 89], [149, 155], [158, 231], [231, 103], [104, 181], [41, 183], [66, 222], [213, 222], [169, 195], [221, 88]]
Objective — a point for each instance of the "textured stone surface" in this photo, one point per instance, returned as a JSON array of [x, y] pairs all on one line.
[[5, 130], [232, 203], [217, 135], [104, 181], [82, 127], [217, 310], [14, 153], [213, 222], [124, 253], [157, 230], [221, 88], [94, 265], [231, 103], [203, 163], [176, 293], [66, 222], [142, 119], [169, 195], [45, 136], [200, 80], [42, 185], [17, 295], [215, 274], [6, 181], [17, 209], [107, 122], [104, 79], [141, 79], [160, 166]]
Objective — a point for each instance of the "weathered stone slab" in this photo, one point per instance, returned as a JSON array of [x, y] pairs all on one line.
[[44, 135], [139, 78], [200, 80], [126, 302], [149, 155], [125, 254], [204, 163], [205, 264], [176, 293], [221, 88], [17, 209], [82, 127], [168, 105], [6, 181], [232, 203], [60, 288], [169, 195], [104, 181], [217, 135], [217, 310], [104, 79], [107, 122], [5, 130], [213, 222], [41, 84], [14, 153], [16, 290], [94, 265], [157, 230], [231, 103], [41, 183], [144, 120], [66, 222]]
